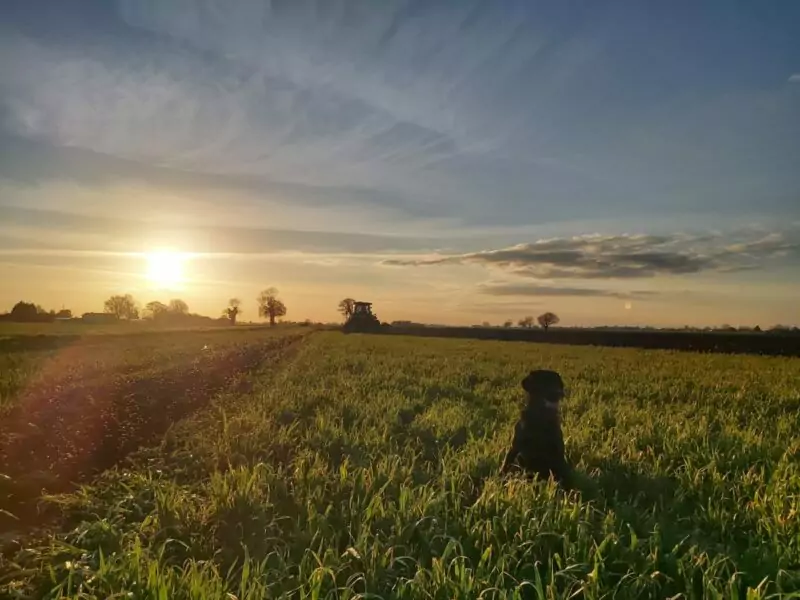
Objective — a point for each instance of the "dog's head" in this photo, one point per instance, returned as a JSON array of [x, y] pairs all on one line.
[[544, 386]]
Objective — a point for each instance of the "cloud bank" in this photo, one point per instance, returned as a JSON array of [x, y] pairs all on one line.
[[621, 256]]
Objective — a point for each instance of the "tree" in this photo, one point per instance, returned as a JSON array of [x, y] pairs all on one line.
[[178, 307], [346, 307], [122, 307], [508, 324], [233, 310], [156, 310], [24, 312], [270, 306], [547, 319], [28, 312], [64, 313], [526, 322]]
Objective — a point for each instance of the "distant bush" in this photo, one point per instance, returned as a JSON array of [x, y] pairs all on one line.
[[28, 312]]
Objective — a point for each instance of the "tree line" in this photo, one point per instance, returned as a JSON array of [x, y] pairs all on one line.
[[28, 312], [545, 320], [270, 306], [125, 307]]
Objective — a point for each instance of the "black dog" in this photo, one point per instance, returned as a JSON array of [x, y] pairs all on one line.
[[538, 447]]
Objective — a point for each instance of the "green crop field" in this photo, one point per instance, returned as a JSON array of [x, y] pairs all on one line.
[[359, 466]]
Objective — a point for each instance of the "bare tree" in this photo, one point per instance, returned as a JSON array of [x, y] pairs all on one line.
[[178, 307], [233, 310], [155, 310], [270, 306], [526, 322], [346, 307], [122, 307], [547, 319]]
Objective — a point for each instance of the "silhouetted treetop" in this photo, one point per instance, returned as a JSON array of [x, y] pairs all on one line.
[[270, 306], [547, 319], [122, 307]]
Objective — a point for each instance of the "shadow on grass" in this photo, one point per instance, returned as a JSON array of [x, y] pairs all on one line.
[[686, 520], [616, 483]]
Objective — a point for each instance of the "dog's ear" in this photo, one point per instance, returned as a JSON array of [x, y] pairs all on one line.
[[527, 383]]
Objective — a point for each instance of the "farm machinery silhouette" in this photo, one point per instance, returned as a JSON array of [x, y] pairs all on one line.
[[362, 319]]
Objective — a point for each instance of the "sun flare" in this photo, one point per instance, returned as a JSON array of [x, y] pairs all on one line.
[[165, 268]]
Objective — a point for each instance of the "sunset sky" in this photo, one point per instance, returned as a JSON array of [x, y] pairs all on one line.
[[453, 162]]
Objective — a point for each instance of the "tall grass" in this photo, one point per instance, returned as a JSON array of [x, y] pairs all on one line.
[[366, 467]]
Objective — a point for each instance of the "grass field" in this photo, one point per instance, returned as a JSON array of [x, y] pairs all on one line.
[[77, 327], [365, 466]]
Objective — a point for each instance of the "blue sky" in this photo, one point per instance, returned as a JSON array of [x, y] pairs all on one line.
[[618, 162]]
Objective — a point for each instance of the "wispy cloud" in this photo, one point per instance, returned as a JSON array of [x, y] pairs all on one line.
[[464, 110], [621, 256], [230, 93], [53, 229], [455, 114], [535, 290]]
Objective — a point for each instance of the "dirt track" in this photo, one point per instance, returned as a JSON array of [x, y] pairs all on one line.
[[65, 429]]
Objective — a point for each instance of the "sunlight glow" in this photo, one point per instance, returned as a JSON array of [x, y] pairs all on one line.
[[165, 268]]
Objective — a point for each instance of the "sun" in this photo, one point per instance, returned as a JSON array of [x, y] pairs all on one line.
[[165, 268]]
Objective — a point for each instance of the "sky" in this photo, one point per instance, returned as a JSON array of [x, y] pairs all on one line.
[[451, 161]]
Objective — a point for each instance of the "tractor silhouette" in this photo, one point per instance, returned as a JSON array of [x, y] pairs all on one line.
[[362, 320]]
